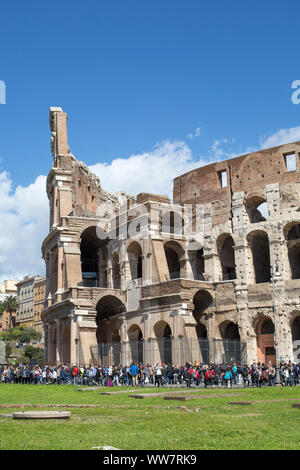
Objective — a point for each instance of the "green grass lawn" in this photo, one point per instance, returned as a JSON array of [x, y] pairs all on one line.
[[153, 423]]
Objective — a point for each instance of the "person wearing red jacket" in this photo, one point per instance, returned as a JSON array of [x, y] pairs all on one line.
[[75, 374]]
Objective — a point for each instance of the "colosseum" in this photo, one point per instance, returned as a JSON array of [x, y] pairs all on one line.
[[212, 276]]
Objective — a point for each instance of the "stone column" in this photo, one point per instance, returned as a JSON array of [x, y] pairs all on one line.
[[46, 342], [73, 340], [110, 283], [186, 271], [58, 341], [60, 257], [125, 274]]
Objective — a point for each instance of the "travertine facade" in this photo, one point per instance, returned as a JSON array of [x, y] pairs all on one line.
[[26, 297], [121, 269], [39, 292]]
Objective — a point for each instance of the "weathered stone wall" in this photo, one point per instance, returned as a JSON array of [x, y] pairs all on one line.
[[149, 284]]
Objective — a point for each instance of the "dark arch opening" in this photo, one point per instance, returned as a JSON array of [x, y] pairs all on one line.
[[135, 336], [107, 307], [296, 338], [173, 263], [232, 331], [93, 258], [135, 260], [267, 327], [293, 241], [108, 349], [265, 340], [259, 244], [257, 209], [202, 301], [226, 254], [231, 342]]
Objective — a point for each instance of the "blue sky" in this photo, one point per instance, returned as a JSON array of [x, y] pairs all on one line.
[[133, 75]]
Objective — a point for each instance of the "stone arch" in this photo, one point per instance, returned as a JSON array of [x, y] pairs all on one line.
[[135, 258], [108, 292], [93, 257], [108, 307], [264, 329], [135, 337], [256, 207], [225, 249], [174, 253], [295, 334], [292, 236], [258, 242], [163, 334], [202, 301], [229, 332]]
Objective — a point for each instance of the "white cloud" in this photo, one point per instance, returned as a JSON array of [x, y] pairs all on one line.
[[24, 214], [151, 172], [197, 132], [283, 136]]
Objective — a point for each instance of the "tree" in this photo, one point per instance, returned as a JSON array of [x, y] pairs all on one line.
[[11, 305]]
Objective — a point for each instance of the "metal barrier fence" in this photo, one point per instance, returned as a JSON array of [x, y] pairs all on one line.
[[170, 351]]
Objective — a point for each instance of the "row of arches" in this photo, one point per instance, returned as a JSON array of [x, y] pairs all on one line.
[[94, 258], [228, 330]]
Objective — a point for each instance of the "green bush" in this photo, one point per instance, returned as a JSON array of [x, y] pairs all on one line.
[[21, 334]]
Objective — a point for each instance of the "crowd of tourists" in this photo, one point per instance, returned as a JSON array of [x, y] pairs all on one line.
[[190, 375]]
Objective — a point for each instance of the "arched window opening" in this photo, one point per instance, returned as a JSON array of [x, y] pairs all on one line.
[[257, 209], [202, 301], [135, 336], [293, 243], [231, 342], [267, 328], [226, 255], [232, 331], [135, 260], [294, 232], [93, 259], [259, 244], [296, 338], [173, 263], [265, 341]]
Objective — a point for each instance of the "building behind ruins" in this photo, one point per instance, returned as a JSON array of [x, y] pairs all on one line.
[[8, 288], [213, 276]]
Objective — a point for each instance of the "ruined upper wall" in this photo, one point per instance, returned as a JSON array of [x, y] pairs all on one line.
[[248, 173], [72, 188]]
